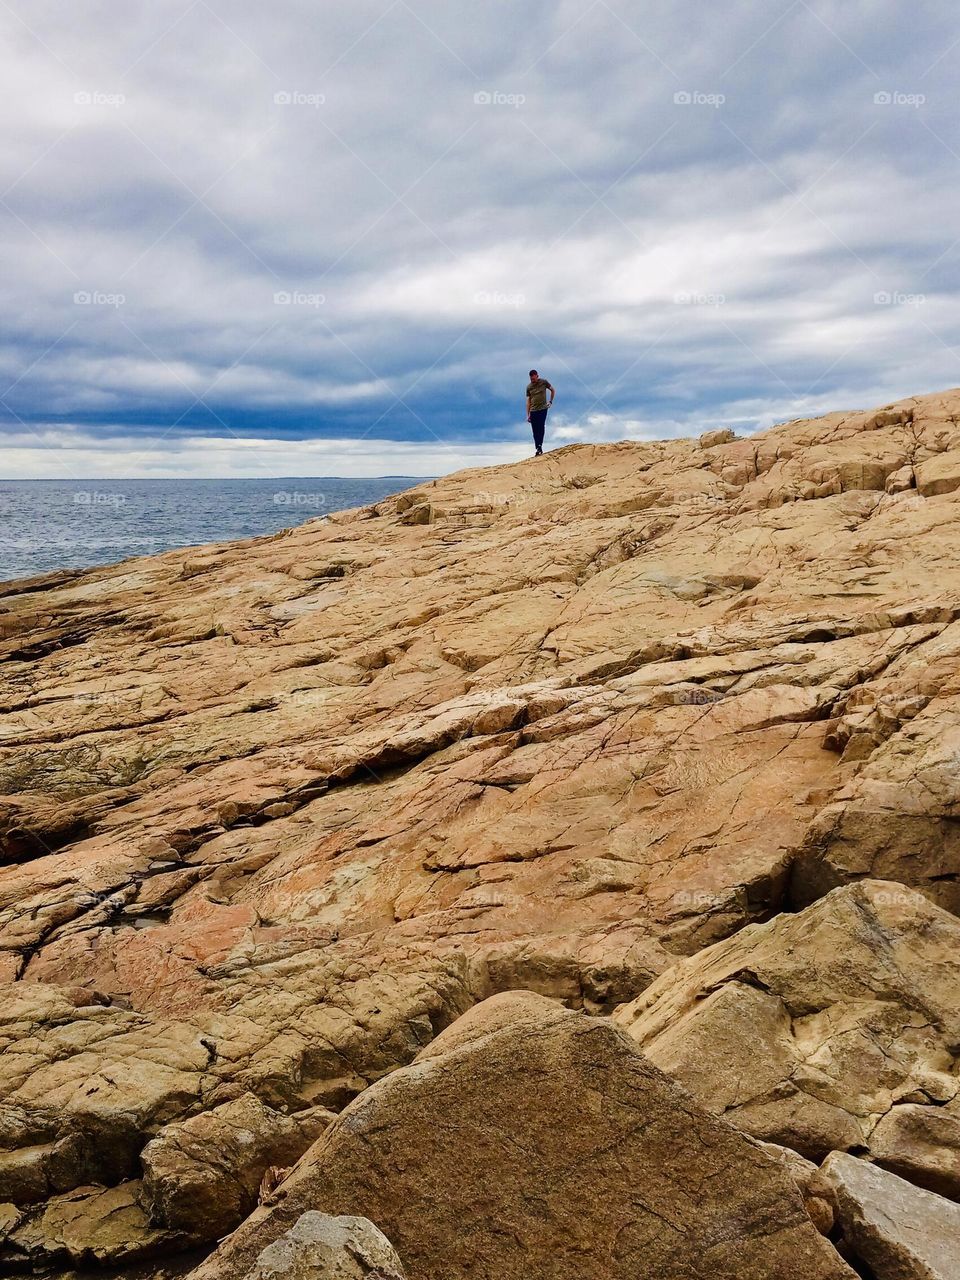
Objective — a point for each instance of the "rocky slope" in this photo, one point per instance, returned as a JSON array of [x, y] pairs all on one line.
[[670, 726]]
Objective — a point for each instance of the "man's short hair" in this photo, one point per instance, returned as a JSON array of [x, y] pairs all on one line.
[[533, 373]]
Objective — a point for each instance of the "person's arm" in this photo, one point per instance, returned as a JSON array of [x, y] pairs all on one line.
[[528, 408], [552, 391]]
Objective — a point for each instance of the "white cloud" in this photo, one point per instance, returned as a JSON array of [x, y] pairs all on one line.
[[669, 266], [57, 453]]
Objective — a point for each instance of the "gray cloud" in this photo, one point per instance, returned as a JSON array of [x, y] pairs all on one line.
[[364, 221]]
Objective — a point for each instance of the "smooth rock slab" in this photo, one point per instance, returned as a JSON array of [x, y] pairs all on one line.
[[900, 1231], [320, 1247]]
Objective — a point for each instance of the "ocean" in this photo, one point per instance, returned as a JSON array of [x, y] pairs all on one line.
[[75, 524]]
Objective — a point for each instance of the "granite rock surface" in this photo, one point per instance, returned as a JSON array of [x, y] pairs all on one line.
[[275, 814]]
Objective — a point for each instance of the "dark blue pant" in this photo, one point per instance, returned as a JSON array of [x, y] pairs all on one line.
[[538, 420]]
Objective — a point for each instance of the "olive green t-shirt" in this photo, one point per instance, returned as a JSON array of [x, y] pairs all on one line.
[[537, 391]]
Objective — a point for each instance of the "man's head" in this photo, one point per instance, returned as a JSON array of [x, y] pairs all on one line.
[[534, 375]]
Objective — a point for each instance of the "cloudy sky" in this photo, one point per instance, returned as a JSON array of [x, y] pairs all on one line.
[[331, 238]]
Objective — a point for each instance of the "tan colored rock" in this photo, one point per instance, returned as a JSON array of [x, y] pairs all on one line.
[[10, 1216], [812, 1030], [921, 1143], [819, 1197], [100, 1225], [46, 1149], [710, 439], [275, 813], [894, 1228], [202, 1175], [29, 1173], [318, 1247], [894, 816], [901, 481], [939, 474], [529, 1141], [422, 514]]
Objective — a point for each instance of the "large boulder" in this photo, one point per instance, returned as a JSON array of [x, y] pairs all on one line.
[[895, 1229], [815, 1029], [530, 1142]]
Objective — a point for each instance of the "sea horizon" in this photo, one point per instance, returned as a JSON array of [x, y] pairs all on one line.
[[48, 525]]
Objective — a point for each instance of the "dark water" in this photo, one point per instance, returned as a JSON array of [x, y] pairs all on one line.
[[72, 524]]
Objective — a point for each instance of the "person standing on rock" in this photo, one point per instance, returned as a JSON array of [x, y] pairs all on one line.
[[537, 407]]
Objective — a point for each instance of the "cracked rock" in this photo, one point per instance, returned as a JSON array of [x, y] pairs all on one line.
[[815, 1029], [275, 814], [892, 1227], [529, 1142], [202, 1175]]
